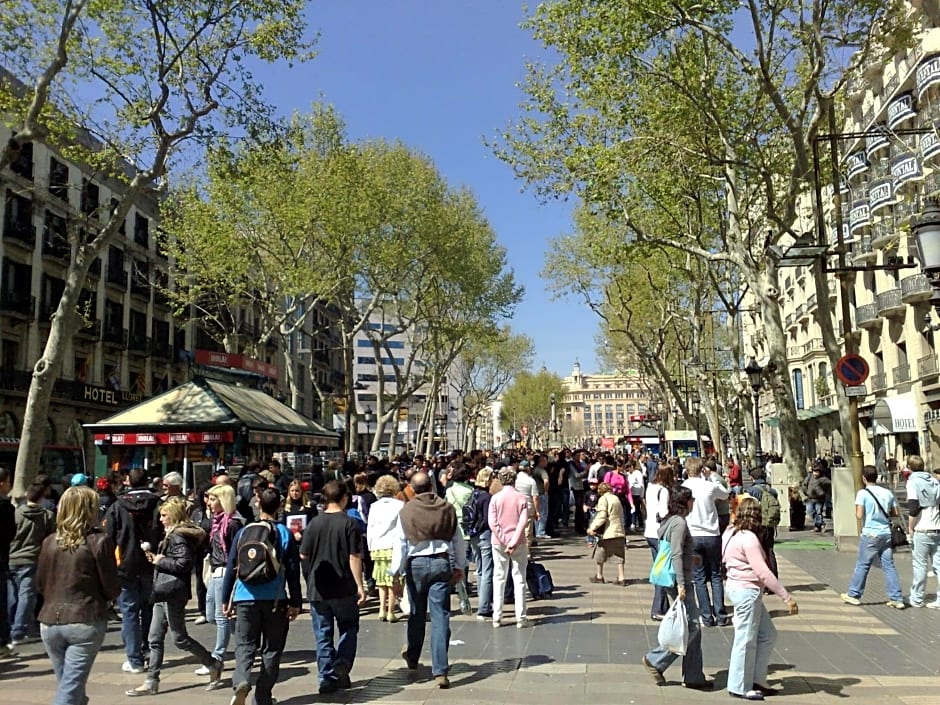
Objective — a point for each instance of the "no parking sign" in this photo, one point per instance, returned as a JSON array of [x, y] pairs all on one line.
[[852, 370]]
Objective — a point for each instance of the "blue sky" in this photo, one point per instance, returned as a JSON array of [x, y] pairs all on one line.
[[441, 75]]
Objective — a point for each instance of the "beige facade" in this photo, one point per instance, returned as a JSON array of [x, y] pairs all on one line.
[[599, 406]]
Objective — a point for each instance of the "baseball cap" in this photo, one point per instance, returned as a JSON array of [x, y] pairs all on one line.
[[523, 463], [78, 479]]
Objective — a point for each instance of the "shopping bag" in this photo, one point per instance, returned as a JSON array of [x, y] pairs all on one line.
[[662, 573], [674, 629]]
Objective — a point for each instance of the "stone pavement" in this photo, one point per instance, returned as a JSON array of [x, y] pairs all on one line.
[[585, 645]]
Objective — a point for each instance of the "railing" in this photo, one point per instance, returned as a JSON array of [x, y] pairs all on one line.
[[889, 301], [115, 336], [794, 351], [116, 276], [916, 288], [160, 349], [20, 232], [801, 312], [15, 380], [862, 249], [18, 302], [866, 313], [811, 303], [138, 343], [790, 320], [879, 381], [927, 366], [816, 344], [139, 287], [61, 250], [92, 329], [901, 373]]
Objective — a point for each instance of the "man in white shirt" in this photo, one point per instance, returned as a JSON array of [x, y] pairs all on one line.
[[923, 522], [528, 486], [706, 544]]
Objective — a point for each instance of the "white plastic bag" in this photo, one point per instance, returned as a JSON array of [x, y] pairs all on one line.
[[674, 629]]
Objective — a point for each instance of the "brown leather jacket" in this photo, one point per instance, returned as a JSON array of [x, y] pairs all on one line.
[[77, 585]]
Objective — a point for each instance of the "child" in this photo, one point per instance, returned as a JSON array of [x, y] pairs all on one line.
[[590, 508]]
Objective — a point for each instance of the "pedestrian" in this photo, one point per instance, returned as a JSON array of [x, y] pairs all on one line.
[[874, 507], [609, 521], [332, 547], [539, 469], [173, 566], [816, 488], [7, 533], [619, 481], [281, 481], [476, 513], [528, 487], [675, 530], [430, 553], [78, 577], [748, 577], [201, 517], [923, 506], [133, 522], [713, 472], [220, 502], [657, 507], [703, 527], [508, 520], [637, 480], [577, 485], [263, 609], [383, 519], [761, 490], [33, 524]]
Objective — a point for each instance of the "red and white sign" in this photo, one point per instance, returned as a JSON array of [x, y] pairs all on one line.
[[164, 439], [607, 443], [238, 362]]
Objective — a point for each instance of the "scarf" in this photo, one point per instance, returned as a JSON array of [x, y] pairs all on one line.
[[220, 524]]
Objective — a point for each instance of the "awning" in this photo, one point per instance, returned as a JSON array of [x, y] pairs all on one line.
[[203, 410], [812, 412], [643, 431], [897, 414]]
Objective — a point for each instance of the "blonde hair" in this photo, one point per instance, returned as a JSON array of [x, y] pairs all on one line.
[[175, 510], [77, 516], [603, 489], [387, 486], [226, 496]]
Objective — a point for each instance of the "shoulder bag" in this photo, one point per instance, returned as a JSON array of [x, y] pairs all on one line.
[[898, 535]]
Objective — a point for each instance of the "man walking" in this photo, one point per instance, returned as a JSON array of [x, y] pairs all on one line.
[[528, 487], [7, 532], [133, 520], [706, 544], [923, 507], [33, 524], [332, 548], [508, 519], [263, 608], [430, 552]]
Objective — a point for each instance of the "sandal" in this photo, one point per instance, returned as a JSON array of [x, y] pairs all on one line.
[[620, 582], [595, 579], [749, 695]]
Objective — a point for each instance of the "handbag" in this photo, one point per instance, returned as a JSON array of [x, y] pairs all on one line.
[[206, 570], [898, 535], [661, 573], [674, 629]]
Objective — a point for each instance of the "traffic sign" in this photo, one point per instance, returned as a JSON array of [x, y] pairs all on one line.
[[856, 391], [525, 430], [852, 370]]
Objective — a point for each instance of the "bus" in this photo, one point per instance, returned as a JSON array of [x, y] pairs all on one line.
[[56, 461]]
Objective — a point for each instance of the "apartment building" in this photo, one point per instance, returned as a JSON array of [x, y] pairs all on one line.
[[599, 406]]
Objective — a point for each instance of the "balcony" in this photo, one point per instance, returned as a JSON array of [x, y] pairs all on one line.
[[140, 287], [790, 321], [116, 277], [802, 312], [794, 351], [867, 316], [91, 330], [814, 345], [879, 382], [138, 343], [862, 251], [927, 366], [160, 298], [160, 349], [811, 303], [901, 374], [57, 249], [15, 380], [18, 304], [115, 336], [916, 288], [20, 233], [883, 233], [889, 303]]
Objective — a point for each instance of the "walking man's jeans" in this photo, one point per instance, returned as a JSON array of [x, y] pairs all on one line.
[[814, 508], [21, 600], [72, 649], [754, 637], [215, 612], [542, 523], [262, 621], [136, 614], [661, 658], [172, 615], [344, 611], [4, 608], [707, 571], [505, 564], [870, 548], [925, 552], [660, 602], [482, 548], [428, 581]]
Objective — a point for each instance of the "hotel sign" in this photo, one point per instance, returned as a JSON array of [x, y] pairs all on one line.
[[107, 397]]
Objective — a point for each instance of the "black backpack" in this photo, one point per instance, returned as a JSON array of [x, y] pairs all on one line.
[[472, 520], [257, 560]]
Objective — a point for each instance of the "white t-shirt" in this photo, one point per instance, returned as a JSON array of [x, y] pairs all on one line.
[[929, 517], [594, 471], [703, 519], [637, 482], [657, 502], [527, 485]]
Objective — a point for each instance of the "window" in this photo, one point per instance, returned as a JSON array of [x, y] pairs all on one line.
[[52, 288], [138, 324], [18, 217], [23, 164], [142, 230], [17, 277], [798, 388], [91, 195], [114, 204], [115, 258], [55, 232], [58, 179], [113, 315], [88, 304], [365, 360]]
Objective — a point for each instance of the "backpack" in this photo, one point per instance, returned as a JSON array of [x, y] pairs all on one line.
[[257, 560], [661, 573], [769, 508], [471, 520], [538, 580]]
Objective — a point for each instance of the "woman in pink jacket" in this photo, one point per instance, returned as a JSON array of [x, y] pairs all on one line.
[[508, 515], [748, 575]]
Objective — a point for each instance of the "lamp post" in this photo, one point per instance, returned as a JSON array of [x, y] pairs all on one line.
[[553, 423], [755, 374], [367, 416], [927, 233]]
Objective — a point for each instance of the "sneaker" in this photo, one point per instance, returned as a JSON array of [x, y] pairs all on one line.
[[653, 671], [917, 604], [412, 664], [442, 682], [382, 615], [933, 605], [392, 617], [200, 620], [241, 695], [25, 640], [483, 618], [202, 671], [849, 600], [896, 604], [496, 624], [215, 675], [148, 688], [522, 623], [7, 651], [128, 668], [327, 687]]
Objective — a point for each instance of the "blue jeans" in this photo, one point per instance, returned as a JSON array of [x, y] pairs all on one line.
[[661, 658], [261, 622], [924, 552], [136, 615], [428, 581], [345, 612], [660, 602], [4, 609], [21, 600], [72, 649], [707, 571], [215, 612], [482, 548], [814, 508], [870, 548], [542, 524], [754, 637]]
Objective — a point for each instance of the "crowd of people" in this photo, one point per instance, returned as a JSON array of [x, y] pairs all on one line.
[[255, 548]]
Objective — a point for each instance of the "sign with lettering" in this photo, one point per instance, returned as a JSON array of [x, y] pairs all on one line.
[[929, 145], [876, 141], [107, 397], [235, 361], [859, 216], [928, 74], [900, 110], [880, 194], [164, 439], [906, 167], [857, 163]]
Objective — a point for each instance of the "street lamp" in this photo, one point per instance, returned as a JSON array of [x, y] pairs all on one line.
[[553, 424], [755, 377], [367, 416], [927, 232]]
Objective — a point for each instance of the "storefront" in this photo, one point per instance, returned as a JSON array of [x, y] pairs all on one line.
[[643, 439], [204, 422]]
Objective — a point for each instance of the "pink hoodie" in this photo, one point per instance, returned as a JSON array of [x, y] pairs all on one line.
[[509, 513]]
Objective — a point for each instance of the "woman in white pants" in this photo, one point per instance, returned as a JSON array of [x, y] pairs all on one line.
[[508, 515]]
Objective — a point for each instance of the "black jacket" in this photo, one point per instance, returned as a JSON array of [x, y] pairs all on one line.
[[171, 574], [133, 519], [218, 555], [7, 530]]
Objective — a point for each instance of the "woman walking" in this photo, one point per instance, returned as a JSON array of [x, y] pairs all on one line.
[[675, 530], [608, 520], [619, 483], [657, 507], [383, 518], [171, 591], [297, 503], [77, 576], [748, 576]]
